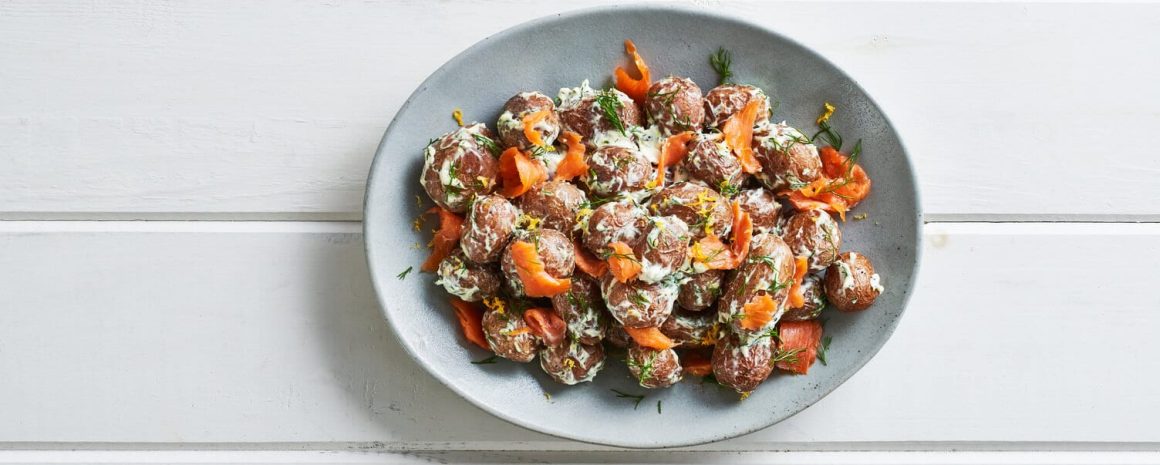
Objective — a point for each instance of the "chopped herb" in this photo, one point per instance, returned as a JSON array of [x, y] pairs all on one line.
[[828, 135], [639, 299], [486, 361], [773, 108], [609, 104], [637, 398], [787, 356], [404, 274], [861, 216], [658, 407], [418, 201], [547, 396], [728, 190], [487, 143], [823, 348], [721, 61]]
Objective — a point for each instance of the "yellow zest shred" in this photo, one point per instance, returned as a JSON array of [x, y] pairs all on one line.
[[416, 246], [745, 395], [494, 304], [569, 363], [418, 201], [458, 115], [529, 222], [417, 224], [825, 116]]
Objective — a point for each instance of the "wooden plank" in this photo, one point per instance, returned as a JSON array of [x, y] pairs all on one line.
[[272, 110], [781, 457], [268, 333]]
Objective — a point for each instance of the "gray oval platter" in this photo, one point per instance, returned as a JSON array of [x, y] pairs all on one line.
[[560, 51]]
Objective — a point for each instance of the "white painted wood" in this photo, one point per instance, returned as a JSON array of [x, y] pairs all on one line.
[[221, 109], [267, 335], [781, 457]]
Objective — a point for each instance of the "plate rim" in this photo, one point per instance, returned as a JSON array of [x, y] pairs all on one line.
[[631, 443]]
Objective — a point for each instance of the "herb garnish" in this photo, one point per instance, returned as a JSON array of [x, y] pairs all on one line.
[[609, 104], [405, 272], [787, 356], [487, 143], [727, 189], [828, 135], [823, 348], [637, 398], [658, 407], [486, 361], [721, 61]]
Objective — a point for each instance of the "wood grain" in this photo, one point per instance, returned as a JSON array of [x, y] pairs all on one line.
[[272, 110], [268, 333]]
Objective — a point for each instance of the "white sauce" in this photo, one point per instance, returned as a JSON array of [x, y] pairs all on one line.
[[876, 283], [570, 97]]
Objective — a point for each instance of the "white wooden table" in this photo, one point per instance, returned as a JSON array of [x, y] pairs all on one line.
[[182, 276]]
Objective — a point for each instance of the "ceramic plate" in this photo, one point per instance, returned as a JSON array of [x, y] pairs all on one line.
[[560, 51]]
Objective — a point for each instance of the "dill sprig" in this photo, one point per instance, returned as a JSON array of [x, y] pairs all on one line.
[[823, 348], [637, 398], [828, 135], [721, 61], [405, 272], [658, 407], [787, 356], [487, 143], [609, 104]]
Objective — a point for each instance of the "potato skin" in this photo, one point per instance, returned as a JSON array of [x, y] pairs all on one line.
[[582, 308], [505, 334], [586, 118], [701, 290], [725, 100], [637, 304], [768, 270], [572, 363], [614, 170], [664, 249], [763, 208], [742, 365], [457, 168], [555, 203], [815, 301], [701, 208], [815, 235], [621, 221], [511, 121], [489, 226], [654, 368], [555, 251], [788, 160], [712, 163], [851, 284], [467, 280], [691, 329], [674, 104]]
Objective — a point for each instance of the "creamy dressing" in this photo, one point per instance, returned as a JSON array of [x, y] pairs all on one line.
[[570, 97], [876, 283]]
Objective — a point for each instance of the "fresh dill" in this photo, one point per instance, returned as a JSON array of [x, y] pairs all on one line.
[[828, 135], [788, 356], [722, 61], [487, 143], [486, 361], [405, 272], [822, 349], [637, 398], [658, 407], [639, 299], [609, 104], [728, 190]]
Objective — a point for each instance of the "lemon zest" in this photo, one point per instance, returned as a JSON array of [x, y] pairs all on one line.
[[825, 116], [458, 115]]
